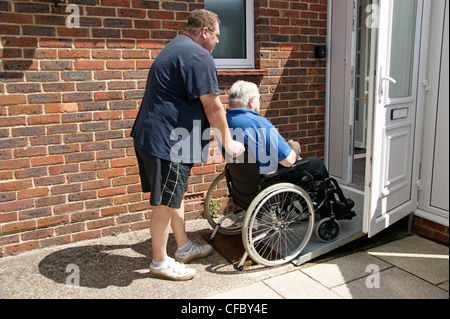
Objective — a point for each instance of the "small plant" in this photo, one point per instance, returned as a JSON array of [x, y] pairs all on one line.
[[214, 207]]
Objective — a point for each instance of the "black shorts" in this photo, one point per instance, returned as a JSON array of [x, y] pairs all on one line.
[[166, 181]]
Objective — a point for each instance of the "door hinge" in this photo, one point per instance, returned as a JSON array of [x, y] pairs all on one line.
[[419, 184], [426, 85]]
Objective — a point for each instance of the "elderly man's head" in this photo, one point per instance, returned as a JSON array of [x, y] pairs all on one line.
[[245, 95]]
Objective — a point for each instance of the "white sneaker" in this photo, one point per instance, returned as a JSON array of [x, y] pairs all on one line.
[[172, 270], [196, 251]]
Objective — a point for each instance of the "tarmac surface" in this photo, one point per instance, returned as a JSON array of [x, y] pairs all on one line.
[[391, 265]]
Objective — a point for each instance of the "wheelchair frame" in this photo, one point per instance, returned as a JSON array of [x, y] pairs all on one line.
[[274, 215]]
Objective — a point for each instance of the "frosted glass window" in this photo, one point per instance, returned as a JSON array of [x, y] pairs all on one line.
[[402, 51]]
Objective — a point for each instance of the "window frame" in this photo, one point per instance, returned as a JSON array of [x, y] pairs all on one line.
[[249, 62]]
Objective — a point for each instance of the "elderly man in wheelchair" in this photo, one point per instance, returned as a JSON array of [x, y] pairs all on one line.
[[269, 194]]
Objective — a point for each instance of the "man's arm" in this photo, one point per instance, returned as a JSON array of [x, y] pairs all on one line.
[[215, 112], [293, 156]]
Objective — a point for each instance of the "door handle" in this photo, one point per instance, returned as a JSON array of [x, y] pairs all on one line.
[[388, 78], [382, 80]]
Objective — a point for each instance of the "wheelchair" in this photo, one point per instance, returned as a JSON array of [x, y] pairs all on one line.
[[275, 213]]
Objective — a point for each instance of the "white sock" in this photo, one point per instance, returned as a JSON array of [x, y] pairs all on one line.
[[158, 264], [185, 248]]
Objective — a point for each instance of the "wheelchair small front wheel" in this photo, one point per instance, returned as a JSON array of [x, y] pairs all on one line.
[[328, 229]]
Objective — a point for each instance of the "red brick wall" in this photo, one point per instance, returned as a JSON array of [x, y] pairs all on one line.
[[69, 96], [430, 229]]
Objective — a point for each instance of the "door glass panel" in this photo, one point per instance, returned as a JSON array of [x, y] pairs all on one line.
[[402, 51]]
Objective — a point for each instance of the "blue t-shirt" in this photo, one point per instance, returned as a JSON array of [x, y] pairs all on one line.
[[261, 137], [171, 123]]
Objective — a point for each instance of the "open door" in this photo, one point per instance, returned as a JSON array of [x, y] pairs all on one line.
[[391, 191]]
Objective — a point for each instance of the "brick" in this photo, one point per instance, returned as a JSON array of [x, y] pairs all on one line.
[[15, 185], [11, 239], [114, 210], [86, 235], [44, 98], [23, 88], [94, 166], [28, 131], [35, 213], [60, 149], [61, 170], [89, 65], [33, 193], [111, 191], [25, 109], [100, 223], [89, 43], [47, 160], [104, 183], [124, 64], [44, 119], [80, 157], [47, 181], [8, 217], [128, 161], [15, 164], [81, 196], [50, 201], [61, 129], [52, 220], [18, 226], [56, 65], [16, 205], [77, 97], [13, 99], [55, 241], [42, 76], [74, 32], [16, 248], [70, 229], [38, 30], [68, 208], [65, 189], [74, 53]]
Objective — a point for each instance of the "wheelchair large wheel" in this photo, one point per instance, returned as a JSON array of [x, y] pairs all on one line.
[[219, 208], [278, 224]]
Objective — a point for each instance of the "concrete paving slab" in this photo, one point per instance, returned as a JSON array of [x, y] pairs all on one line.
[[345, 269], [419, 256], [394, 283], [254, 291], [297, 285]]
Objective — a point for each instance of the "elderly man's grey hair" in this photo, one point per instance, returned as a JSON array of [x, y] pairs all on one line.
[[241, 92]]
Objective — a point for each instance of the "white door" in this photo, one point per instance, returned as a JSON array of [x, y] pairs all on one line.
[[391, 189]]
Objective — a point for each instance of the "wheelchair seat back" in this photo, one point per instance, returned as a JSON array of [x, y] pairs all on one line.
[[243, 179]]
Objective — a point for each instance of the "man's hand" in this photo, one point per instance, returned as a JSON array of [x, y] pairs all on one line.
[[295, 147], [234, 148]]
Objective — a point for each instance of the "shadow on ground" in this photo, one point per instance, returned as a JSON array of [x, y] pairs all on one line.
[[99, 266]]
